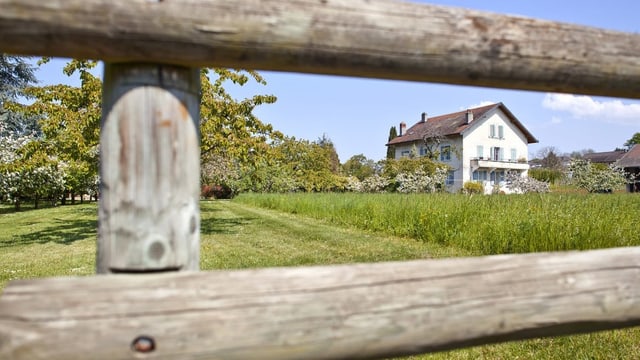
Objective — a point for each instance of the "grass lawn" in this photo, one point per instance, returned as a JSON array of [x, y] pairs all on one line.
[[61, 241]]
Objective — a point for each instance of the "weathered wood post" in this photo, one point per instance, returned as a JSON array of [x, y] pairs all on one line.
[[149, 218]]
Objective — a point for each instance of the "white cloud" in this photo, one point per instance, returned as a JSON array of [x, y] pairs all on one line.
[[482, 103], [585, 107]]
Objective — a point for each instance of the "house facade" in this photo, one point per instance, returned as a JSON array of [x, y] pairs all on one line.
[[480, 144]]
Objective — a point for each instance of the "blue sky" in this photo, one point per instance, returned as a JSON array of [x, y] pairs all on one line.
[[357, 113]]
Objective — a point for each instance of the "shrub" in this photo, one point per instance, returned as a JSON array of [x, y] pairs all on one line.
[[523, 185], [421, 182], [472, 187], [216, 192], [550, 176], [596, 179], [374, 184]]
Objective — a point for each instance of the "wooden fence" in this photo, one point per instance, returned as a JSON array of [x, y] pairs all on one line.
[[158, 306]]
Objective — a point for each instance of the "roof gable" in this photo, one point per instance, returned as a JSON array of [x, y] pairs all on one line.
[[455, 123], [631, 158], [604, 157]]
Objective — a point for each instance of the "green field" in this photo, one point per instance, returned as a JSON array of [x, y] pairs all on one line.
[[482, 225], [61, 241]]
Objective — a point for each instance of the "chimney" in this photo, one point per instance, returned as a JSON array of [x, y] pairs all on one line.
[[469, 116], [424, 117], [403, 128]]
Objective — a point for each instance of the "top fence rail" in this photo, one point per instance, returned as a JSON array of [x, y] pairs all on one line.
[[377, 39]]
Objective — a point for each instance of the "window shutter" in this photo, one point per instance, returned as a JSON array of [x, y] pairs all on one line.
[[501, 151], [501, 132], [480, 151], [492, 131]]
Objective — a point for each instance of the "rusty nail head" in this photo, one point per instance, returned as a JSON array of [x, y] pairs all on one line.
[[143, 344]]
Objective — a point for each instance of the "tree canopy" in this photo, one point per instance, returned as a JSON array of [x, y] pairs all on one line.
[[391, 150], [635, 139], [16, 74]]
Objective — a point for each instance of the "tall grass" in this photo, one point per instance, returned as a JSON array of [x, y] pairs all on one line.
[[480, 224]]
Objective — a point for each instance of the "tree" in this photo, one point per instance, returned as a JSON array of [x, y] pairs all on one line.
[[359, 166], [549, 158], [236, 147], [579, 154], [15, 75], [329, 148], [635, 139], [228, 126], [310, 164], [596, 179], [432, 138], [69, 118], [24, 174], [391, 150], [409, 170]]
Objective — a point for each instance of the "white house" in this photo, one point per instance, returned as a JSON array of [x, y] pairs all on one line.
[[480, 144]]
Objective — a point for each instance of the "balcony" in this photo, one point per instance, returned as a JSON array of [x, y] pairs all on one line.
[[488, 163]]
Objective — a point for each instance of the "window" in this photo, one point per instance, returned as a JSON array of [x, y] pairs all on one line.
[[480, 152], [501, 132], [449, 178], [514, 154], [497, 176], [405, 153], [492, 131], [423, 151], [497, 154], [500, 176], [445, 153], [480, 175]]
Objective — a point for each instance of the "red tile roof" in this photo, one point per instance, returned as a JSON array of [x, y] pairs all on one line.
[[455, 123], [631, 158], [605, 157]]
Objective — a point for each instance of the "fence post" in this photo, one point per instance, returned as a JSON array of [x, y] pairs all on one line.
[[149, 218]]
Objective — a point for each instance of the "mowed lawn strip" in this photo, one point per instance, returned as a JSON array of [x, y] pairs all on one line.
[[61, 241], [241, 236]]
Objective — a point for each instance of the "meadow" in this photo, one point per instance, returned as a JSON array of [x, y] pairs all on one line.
[[482, 225], [310, 229]]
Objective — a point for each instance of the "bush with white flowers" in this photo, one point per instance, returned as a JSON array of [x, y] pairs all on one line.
[[524, 184], [420, 182], [597, 179]]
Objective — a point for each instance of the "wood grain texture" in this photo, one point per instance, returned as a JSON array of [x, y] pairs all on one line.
[[149, 218], [330, 312], [379, 39]]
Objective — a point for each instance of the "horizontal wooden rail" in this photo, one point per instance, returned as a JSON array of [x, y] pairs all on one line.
[[330, 312], [379, 39]]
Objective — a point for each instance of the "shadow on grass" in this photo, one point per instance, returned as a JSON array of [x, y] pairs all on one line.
[[223, 226], [214, 221], [60, 232], [26, 207]]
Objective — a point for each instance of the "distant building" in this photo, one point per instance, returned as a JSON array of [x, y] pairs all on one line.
[[630, 162], [605, 157], [480, 144]]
